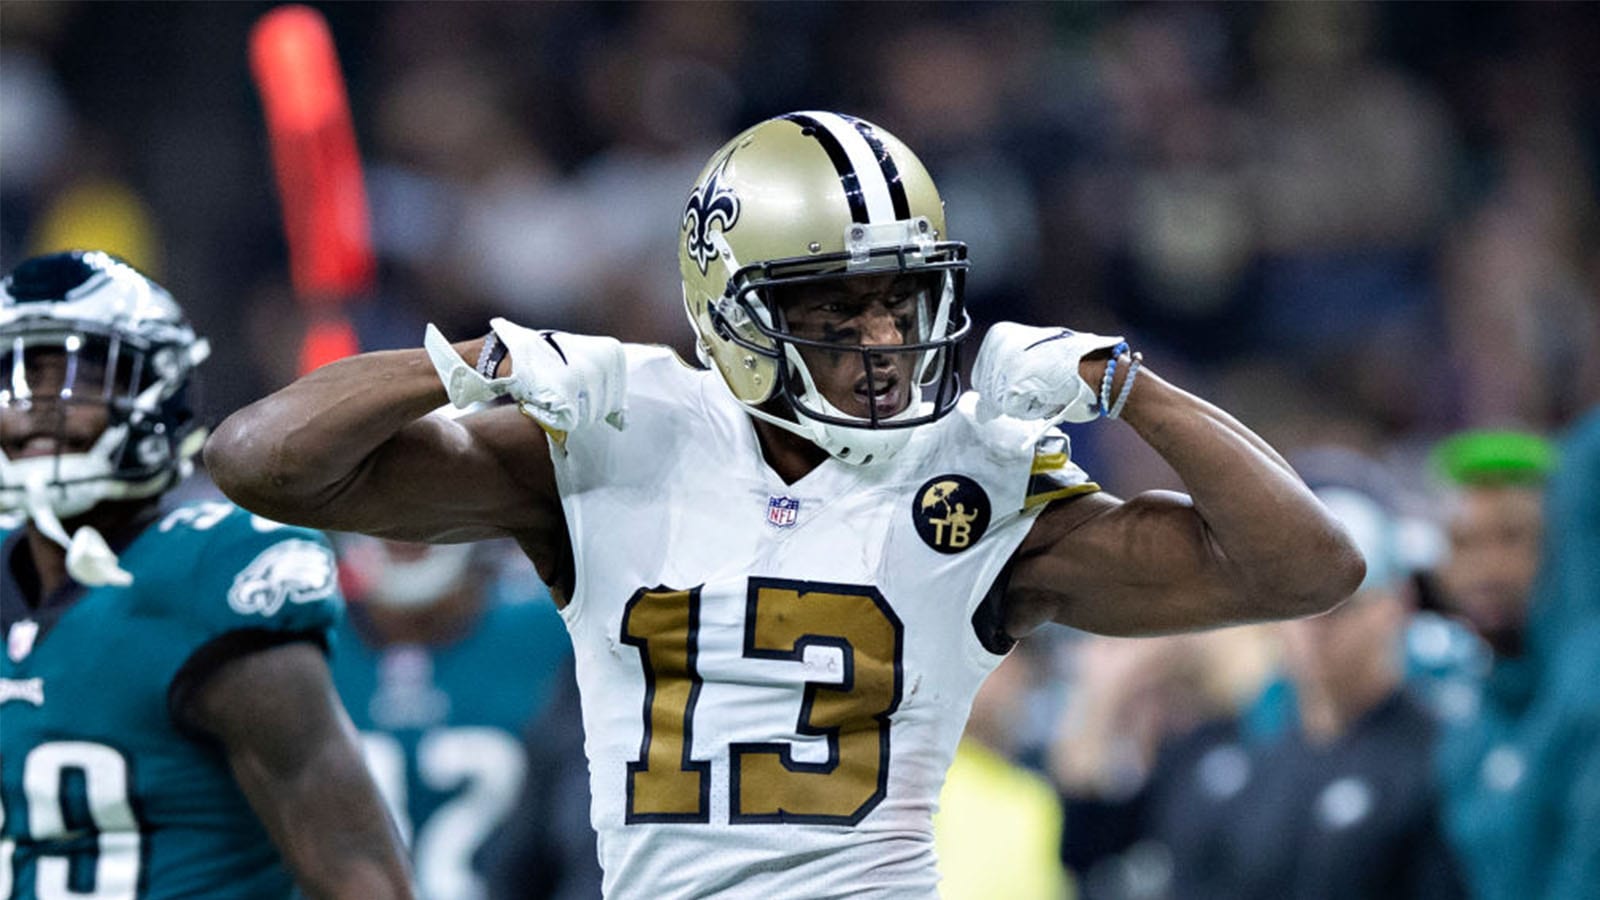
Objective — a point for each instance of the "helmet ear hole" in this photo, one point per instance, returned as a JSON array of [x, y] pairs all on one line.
[[152, 450]]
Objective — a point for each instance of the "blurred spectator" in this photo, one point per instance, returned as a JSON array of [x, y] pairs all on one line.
[[99, 212], [1442, 659], [1328, 794], [546, 848], [1151, 761], [947, 94], [1524, 327], [998, 826], [1170, 197], [1522, 776], [442, 662], [1343, 802], [36, 121]]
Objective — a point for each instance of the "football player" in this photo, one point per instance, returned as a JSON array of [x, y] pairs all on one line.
[[785, 575], [168, 726], [442, 661]]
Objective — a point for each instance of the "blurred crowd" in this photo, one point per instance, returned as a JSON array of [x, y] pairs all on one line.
[[1358, 226]]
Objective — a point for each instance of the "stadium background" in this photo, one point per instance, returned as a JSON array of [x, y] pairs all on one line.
[[1359, 224]]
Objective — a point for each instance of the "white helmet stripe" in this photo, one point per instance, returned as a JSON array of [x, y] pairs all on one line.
[[891, 170], [862, 160]]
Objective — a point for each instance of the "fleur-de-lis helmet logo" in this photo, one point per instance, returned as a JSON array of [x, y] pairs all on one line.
[[710, 203]]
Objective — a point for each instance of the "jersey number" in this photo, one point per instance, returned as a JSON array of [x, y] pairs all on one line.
[[765, 783], [77, 788], [481, 766]]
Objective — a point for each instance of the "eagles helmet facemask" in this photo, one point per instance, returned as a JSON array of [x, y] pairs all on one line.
[[116, 339], [808, 198]]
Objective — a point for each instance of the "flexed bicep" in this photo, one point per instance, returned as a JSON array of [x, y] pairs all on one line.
[[484, 475], [1147, 565], [353, 447]]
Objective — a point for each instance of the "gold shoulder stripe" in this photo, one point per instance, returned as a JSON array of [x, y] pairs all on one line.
[[557, 435], [1076, 490], [1048, 462]]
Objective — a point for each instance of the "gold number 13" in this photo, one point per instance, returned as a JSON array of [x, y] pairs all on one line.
[[765, 783]]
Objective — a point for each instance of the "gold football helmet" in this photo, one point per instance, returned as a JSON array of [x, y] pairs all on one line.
[[807, 198]]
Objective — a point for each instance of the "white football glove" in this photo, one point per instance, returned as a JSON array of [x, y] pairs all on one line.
[[1032, 373], [562, 381]]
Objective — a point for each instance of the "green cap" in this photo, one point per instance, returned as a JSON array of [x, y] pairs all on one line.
[[1482, 458]]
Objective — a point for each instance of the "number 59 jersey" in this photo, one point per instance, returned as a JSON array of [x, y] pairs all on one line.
[[775, 676]]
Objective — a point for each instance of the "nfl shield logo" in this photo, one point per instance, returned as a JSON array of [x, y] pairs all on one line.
[[782, 511]]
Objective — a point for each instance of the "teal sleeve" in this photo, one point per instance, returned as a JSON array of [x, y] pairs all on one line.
[[244, 572], [234, 583]]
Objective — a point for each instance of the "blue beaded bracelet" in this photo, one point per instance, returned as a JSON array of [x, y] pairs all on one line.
[[1134, 363], [1105, 383]]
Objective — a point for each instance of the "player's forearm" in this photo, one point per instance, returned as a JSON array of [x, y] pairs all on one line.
[[335, 833], [294, 754], [361, 882], [1276, 541], [296, 447]]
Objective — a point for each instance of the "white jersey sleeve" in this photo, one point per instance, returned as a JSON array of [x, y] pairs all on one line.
[[775, 676]]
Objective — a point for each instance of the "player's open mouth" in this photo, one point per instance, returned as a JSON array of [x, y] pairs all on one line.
[[885, 398]]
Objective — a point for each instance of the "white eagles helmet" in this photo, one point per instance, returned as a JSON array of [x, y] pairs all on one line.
[[125, 345], [812, 197]]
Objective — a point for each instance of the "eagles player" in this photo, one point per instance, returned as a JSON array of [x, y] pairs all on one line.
[[168, 727], [442, 661], [785, 575]]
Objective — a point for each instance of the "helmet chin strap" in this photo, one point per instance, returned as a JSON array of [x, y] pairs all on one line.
[[857, 446], [941, 321], [89, 559]]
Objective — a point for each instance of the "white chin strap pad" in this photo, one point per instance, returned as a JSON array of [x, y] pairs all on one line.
[[857, 445], [90, 561]]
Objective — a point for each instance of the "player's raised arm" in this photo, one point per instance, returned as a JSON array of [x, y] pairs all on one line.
[[350, 447], [1248, 542]]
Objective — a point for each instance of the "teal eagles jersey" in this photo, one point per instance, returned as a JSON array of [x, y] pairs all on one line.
[[102, 794], [441, 727]]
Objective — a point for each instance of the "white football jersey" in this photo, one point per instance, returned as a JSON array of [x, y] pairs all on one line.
[[775, 676]]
